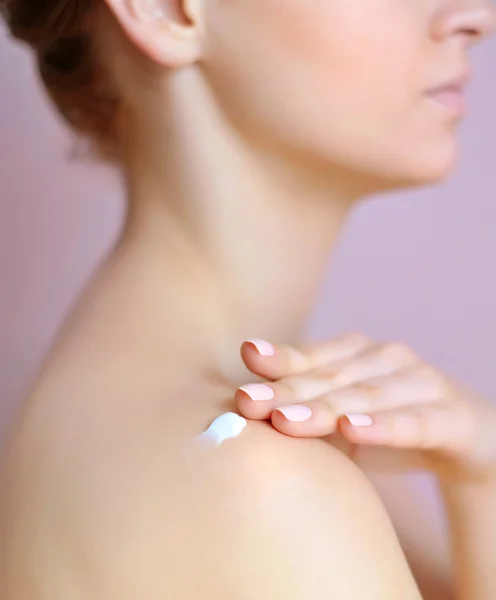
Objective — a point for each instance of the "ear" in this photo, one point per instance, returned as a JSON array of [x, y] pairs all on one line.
[[166, 31]]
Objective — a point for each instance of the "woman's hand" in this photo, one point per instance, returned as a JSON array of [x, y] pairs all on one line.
[[373, 394]]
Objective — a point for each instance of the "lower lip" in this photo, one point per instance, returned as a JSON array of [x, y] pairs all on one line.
[[453, 100]]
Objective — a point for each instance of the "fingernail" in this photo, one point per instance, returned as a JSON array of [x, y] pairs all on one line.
[[359, 420], [295, 412], [258, 391], [264, 348]]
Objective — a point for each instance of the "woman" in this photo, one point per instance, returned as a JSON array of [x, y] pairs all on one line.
[[246, 132]]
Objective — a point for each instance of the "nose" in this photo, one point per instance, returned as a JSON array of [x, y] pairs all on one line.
[[471, 20]]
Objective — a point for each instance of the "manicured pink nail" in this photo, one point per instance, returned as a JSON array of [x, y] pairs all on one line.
[[264, 348], [258, 391], [295, 412], [360, 420]]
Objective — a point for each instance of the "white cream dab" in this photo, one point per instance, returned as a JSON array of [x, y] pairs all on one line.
[[229, 425]]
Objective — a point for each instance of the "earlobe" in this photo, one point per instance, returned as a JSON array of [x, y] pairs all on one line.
[[162, 38]]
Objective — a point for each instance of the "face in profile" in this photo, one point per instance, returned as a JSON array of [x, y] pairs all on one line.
[[347, 83]]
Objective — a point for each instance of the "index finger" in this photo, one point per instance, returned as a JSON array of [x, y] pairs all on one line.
[[275, 361]]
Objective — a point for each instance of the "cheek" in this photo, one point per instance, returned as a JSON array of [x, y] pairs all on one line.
[[366, 65], [328, 75]]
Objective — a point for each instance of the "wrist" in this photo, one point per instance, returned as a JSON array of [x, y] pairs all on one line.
[[475, 459], [459, 468], [463, 473]]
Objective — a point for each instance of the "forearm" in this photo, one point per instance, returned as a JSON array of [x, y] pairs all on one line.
[[471, 511]]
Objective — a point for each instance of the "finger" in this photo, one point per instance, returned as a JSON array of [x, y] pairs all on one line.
[[273, 361], [429, 427], [374, 362], [258, 400], [406, 389], [375, 366], [308, 419]]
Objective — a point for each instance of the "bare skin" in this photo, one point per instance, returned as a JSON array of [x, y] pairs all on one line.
[[237, 189], [107, 495], [101, 465], [395, 411]]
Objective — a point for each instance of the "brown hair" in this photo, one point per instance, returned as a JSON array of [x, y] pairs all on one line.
[[59, 33]]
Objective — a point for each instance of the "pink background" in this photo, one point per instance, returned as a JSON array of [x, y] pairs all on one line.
[[416, 266]]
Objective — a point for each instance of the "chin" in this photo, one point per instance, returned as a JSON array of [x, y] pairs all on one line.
[[438, 168], [430, 167]]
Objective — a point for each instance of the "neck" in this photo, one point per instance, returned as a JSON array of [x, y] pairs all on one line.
[[235, 240]]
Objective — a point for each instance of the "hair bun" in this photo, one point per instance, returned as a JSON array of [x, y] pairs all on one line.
[[66, 56], [60, 33], [41, 22]]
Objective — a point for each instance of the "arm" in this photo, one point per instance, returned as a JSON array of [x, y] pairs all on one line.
[[471, 510]]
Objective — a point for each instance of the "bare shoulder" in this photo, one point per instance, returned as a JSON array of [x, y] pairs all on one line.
[[122, 500], [278, 517]]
